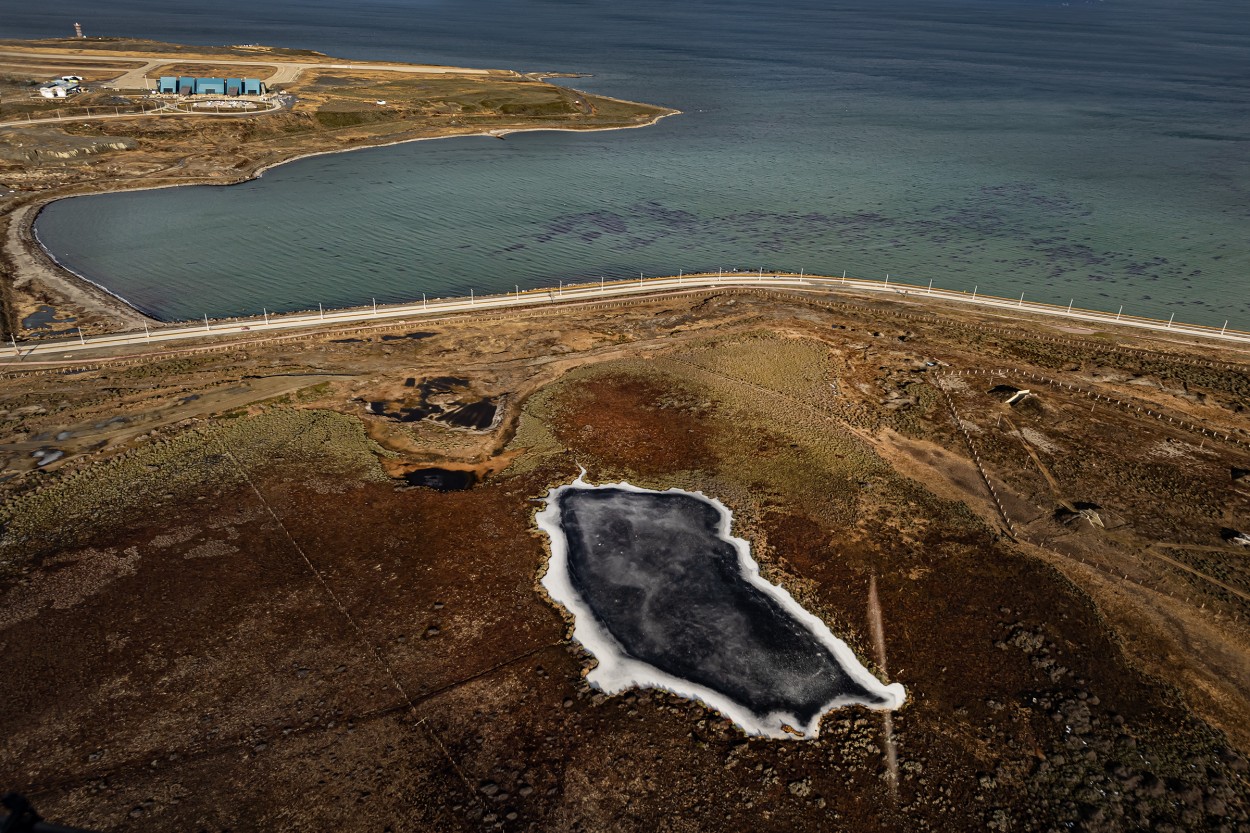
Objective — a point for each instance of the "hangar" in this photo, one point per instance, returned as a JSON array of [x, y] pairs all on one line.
[[187, 85]]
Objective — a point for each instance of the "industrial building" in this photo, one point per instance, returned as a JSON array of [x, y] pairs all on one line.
[[62, 87], [186, 85]]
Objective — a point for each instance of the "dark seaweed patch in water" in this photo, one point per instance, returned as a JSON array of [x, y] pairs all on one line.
[[477, 416], [403, 336], [443, 480], [655, 572]]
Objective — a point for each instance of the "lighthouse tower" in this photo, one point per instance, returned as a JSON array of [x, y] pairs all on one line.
[[78, 30]]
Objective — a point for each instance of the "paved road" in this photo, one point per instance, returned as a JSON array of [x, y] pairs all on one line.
[[57, 351], [284, 72]]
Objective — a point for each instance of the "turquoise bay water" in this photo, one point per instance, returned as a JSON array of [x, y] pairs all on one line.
[[1095, 152]]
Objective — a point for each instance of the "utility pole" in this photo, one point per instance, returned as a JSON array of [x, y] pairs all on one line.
[[147, 335], [1021, 300], [974, 291], [321, 313], [375, 306], [1117, 315], [265, 313], [930, 292], [1170, 317], [206, 327]]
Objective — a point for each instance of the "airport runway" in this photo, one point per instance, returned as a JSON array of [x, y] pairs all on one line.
[[284, 72]]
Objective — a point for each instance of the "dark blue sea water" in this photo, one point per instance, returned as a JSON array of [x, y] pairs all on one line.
[[1090, 151]]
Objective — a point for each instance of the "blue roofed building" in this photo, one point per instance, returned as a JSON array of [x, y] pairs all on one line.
[[187, 86]]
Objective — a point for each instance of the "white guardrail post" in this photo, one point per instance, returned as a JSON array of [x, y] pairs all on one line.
[[706, 279]]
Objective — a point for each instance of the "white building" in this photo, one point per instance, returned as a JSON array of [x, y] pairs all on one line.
[[60, 88]]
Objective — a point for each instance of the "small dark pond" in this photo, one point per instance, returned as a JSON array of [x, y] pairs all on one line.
[[442, 384], [443, 480], [44, 317], [477, 416], [657, 572], [1003, 392]]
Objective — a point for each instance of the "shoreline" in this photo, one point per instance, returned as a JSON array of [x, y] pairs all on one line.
[[34, 233], [30, 260]]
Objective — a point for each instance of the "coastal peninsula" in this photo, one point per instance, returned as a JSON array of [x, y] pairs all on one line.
[[117, 130]]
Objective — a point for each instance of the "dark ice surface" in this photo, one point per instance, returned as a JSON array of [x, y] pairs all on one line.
[[443, 480], [655, 571]]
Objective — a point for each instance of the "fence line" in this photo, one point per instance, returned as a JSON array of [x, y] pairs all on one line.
[[68, 114], [800, 281], [298, 336], [1118, 575], [1179, 422]]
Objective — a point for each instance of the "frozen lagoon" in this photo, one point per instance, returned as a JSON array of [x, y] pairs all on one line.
[[665, 597]]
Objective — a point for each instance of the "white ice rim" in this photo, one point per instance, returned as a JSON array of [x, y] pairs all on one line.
[[617, 671]]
